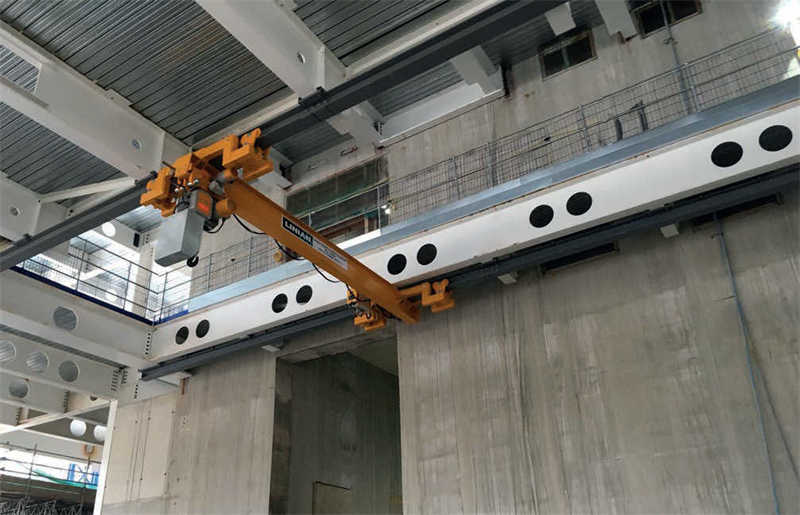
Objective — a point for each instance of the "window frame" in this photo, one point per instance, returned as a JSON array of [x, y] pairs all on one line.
[[636, 15], [562, 42]]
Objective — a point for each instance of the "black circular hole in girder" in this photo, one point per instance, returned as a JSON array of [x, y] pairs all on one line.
[[397, 264], [426, 254], [279, 302], [727, 154], [579, 203], [304, 294], [775, 138], [182, 335], [541, 216], [202, 328]]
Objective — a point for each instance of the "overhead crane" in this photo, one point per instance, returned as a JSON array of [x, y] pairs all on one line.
[[203, 188]]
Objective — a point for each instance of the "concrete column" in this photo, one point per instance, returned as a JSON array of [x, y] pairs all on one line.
[[140, 279], [206, 449]]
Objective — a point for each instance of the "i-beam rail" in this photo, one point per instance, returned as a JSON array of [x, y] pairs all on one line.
[[711, 202], [30, 246]]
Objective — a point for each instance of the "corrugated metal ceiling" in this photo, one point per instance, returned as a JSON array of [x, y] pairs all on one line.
[[17, 70], [414, 90], [42, 161], [510, 47], [347, 27], [141, 219], [34, 156], [174, 62], [182, 70]]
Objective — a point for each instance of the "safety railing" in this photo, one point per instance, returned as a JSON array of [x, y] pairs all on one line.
[[33, 483], [92, 270], [724, 75]]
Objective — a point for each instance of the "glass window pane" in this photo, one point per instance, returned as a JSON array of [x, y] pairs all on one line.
[[682, 8], [651, 19], [579, 51], [553, 62]]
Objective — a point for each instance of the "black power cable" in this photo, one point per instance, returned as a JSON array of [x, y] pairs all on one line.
[[289, 254], [247, 228], [218, 229]]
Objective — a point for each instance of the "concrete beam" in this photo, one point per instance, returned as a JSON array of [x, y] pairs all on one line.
[[60, 369], [44, 444], [24, 325], [617, 17], [356, 122], [95, 412], [74, 107], [23, 213], [613, 189], [437, 108], [280, 40], [9, 414], [475, 67], [22, 392], [88, 189], [427, 31], [560, 19], [27, 307]]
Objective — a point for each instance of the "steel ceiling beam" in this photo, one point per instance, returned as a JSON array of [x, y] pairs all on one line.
[[77, 109], [285, 45], [118, 205], [471, 32]]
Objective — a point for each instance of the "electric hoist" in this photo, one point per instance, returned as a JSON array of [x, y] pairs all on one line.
[[205, 187]]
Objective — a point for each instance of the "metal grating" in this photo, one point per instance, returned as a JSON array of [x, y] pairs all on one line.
[[171, 60]]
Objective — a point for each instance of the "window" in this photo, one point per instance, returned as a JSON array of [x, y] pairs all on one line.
[[574, 47], [346, 205], [649, 16]]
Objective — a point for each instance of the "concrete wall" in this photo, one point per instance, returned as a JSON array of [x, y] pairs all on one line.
[[136, 477], [207, 451], [613, 386], [281, 440], [532, 99], [345, 431]]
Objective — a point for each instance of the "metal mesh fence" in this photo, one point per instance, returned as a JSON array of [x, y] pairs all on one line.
[[729, 73], [98, 272], [701, 84]]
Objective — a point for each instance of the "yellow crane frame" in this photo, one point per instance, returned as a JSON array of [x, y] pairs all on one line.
[[221, 171]]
